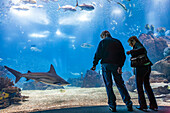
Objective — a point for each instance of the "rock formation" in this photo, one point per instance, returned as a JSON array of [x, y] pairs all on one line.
[[77, 82], [155, 77], [131, 84], [163, 66], [160, 88], [155, 46], [166, 52], [126, 75], [92, 79]]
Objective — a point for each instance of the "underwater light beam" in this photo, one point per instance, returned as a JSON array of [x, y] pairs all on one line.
[[43, 34], [77, 19], [59, 33], [25, 15], [116, 11]]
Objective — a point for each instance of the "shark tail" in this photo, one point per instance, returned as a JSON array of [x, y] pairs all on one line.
[[59, 7], [14, 72], [76, 3]]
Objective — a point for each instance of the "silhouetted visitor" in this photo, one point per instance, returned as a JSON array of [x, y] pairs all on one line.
[[142, 66], [111, 53]]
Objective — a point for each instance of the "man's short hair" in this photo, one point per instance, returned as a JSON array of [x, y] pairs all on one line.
[[105, 33]]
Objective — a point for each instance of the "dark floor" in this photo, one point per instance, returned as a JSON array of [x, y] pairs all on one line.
[[104, 109]]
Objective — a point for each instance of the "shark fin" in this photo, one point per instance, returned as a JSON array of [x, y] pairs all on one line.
[[52, 70], [29, 71], [14, 72], [59, 7], [76, 3]]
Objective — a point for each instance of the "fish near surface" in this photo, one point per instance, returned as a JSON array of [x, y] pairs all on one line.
[[49, 77], [122, 5], [86, 45], [67, 8], [85, 6]]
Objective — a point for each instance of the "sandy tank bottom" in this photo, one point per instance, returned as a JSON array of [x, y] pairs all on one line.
[[69, 97]]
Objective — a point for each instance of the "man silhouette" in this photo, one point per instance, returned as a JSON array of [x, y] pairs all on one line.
[[111, 53]]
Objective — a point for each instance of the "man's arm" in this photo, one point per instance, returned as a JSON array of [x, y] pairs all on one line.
[[122, 55], [98, 55]]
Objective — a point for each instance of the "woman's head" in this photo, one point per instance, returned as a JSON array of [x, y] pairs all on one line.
[[105, 34], [132, 40]]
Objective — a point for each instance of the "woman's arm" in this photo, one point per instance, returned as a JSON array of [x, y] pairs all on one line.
[[138, 50]]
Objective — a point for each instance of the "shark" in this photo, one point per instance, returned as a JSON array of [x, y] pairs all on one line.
[[85, 6], [49, 77]]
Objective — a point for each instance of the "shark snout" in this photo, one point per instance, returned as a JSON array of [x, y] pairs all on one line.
[[65, 83], [62, 83]]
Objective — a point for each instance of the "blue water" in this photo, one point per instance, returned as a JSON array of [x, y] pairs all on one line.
[[34, 39]]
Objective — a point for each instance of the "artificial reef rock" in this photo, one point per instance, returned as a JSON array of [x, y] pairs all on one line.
[[77, 82], [159, 77], [92, 79], [163, 66], [155, 46], [126, 75], [167, 51]]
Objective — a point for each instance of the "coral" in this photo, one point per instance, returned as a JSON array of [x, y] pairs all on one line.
[[152, 28], [161, 31], [3, 71], [5, 83], [147, 27], [8, 93]]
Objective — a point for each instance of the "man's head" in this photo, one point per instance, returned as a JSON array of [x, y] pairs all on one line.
[[132, 40], [105, 34]]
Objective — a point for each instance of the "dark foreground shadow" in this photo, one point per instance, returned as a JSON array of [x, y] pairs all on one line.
[[104, 109]]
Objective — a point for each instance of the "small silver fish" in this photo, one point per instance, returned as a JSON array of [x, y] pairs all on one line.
[[67, 8], [122, 5]]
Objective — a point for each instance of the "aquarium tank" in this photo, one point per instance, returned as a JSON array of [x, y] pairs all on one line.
[[47, 48]]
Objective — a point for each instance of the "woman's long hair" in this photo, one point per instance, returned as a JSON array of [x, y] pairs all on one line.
[[132, 38]]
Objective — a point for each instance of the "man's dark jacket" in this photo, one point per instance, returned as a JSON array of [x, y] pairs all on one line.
[[110, 51]]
